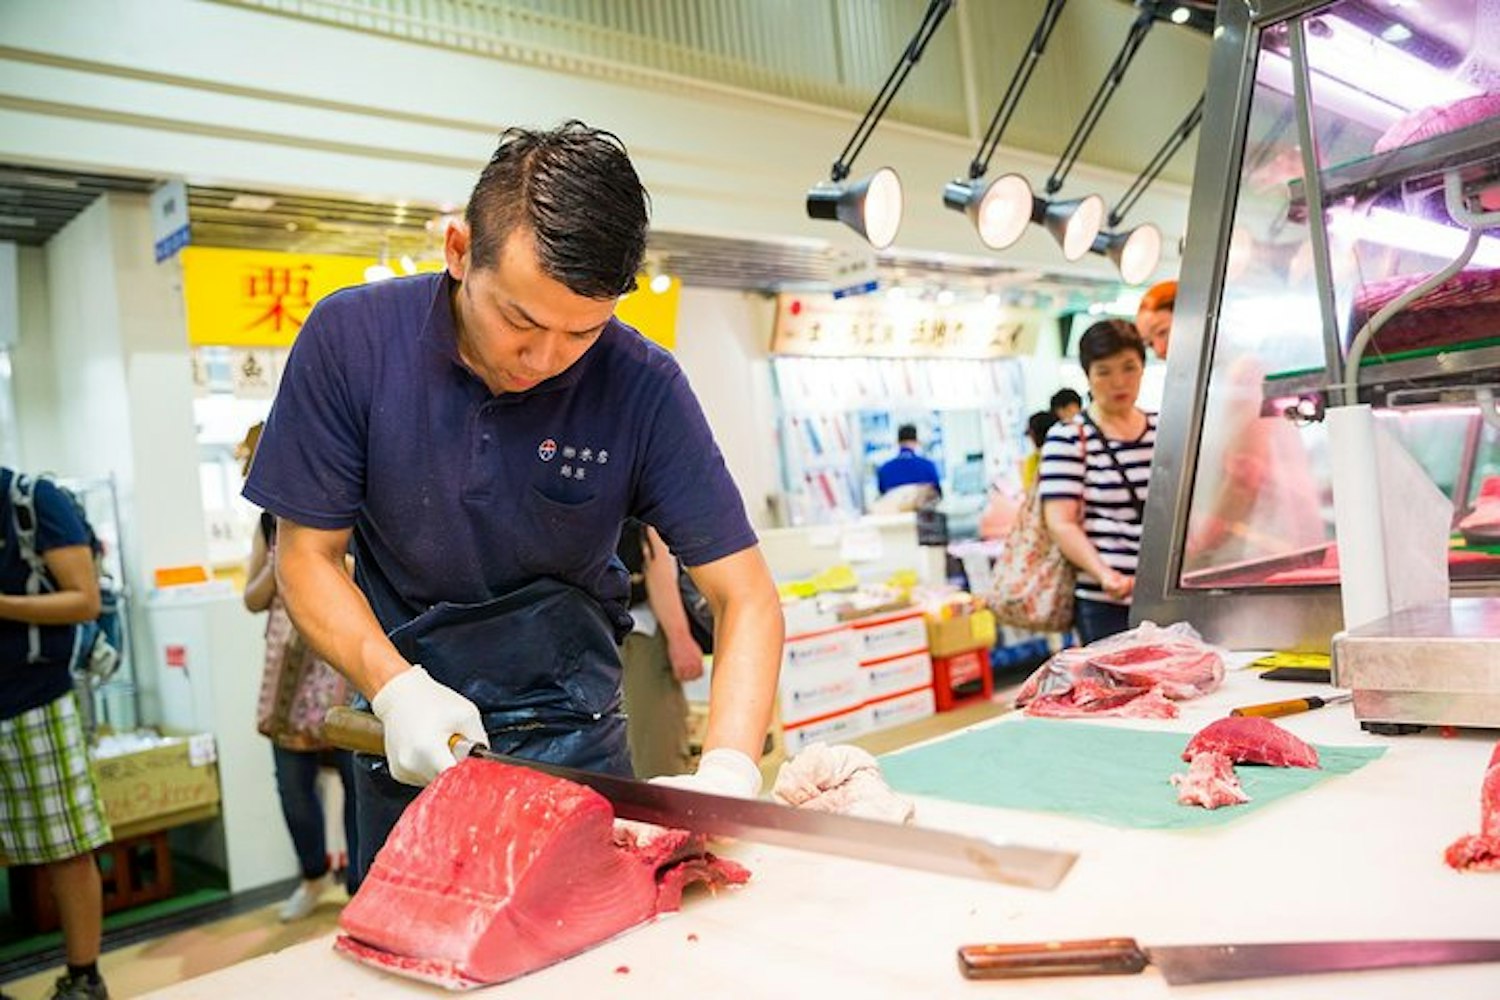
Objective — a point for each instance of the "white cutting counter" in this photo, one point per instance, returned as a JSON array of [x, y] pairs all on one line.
[[1356, 856]]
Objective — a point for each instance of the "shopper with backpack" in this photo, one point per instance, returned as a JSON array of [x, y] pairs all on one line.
[[50, 811]]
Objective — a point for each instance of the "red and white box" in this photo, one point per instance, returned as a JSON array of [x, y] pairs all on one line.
[[840, 727], [896, 709], [896, 674], [820, 675], [895, 634]]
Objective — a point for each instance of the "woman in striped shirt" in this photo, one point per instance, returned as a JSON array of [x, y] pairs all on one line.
[[1093, 479]]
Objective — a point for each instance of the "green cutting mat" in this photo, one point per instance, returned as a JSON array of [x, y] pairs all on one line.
[[1098, 772]]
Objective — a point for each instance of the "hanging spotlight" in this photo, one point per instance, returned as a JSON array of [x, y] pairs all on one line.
[[1135, 253], [1073, 223], [1000, 210], [872, 206]]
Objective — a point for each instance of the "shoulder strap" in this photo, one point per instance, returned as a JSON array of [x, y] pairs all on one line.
[[1135, 498], [23, 512]]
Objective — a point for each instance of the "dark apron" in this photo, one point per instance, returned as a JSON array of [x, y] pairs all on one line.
[[542, 666]]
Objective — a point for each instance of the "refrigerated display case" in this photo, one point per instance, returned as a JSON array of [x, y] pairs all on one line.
[[1349, 149]]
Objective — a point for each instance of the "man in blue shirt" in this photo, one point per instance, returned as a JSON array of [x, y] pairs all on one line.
[[50, 813], [908, 467], [479, 436]]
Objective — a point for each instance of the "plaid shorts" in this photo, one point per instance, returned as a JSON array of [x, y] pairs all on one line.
[[49, 804]]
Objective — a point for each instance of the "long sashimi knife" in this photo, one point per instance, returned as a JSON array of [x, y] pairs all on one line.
[[1181, 965], [766, 822]]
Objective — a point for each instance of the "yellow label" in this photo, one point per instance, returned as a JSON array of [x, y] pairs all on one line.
[[1320, 660]]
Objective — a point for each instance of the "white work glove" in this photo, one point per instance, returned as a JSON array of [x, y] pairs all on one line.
[[722, 771], [420, 717]]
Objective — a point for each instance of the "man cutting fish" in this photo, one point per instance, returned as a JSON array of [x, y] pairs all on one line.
[[477, 437]]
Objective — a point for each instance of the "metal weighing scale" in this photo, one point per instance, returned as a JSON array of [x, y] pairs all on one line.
[[1431, 665]]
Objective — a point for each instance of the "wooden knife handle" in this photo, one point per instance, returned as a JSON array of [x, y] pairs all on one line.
[[1096, 957], [348, 729], [1276, 709]]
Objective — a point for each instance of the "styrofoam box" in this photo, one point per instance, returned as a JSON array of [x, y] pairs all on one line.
[[907, 707], [886, 636], [897, 674], [819, 651], [833, 729], [827, 690], [808, 615]]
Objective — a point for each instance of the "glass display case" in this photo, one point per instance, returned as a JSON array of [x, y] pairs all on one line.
[[1351, 155]]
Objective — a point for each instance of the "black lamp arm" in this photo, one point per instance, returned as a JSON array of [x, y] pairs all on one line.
[[936, 11], [1017, 87], [1152, 169], [1091, 115]]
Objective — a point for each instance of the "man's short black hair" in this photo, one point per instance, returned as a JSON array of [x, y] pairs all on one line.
[[1107, 338], [1064, 397], [906, 432], [576, 190], [1039, 423]]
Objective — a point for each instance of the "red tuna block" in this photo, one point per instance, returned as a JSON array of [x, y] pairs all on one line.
[[1251, 740], [496, 871], [1481, 851]]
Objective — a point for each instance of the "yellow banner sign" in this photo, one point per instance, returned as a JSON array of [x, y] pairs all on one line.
[[258, 298], [261, 298], [651, 312]]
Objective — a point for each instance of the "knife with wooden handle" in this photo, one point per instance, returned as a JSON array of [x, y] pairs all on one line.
[[764, 822], [1181, 965], [1276, 709]]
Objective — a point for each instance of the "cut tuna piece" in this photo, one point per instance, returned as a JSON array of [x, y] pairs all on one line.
[[496, 871], [1251, 739], [1210, 782], [1093, 698], [1481, 851], [1171, 662], [840, 779]]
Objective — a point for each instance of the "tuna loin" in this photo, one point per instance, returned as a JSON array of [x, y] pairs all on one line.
[[1251, 740], [1481, 851], [496, 871]]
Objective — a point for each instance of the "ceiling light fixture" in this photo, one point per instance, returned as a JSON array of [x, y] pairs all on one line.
[[1136, 252], [872, 206], [1076, 224], [1001, 209]]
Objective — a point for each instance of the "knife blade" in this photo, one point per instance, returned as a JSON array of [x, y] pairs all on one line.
[[766, 822], [1181, 965], [1276, 709]]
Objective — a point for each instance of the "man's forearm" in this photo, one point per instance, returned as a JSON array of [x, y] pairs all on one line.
[[334, 617], [66, 607], [747, 660]]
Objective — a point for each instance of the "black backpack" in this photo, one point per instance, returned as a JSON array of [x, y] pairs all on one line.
[[96, 649]]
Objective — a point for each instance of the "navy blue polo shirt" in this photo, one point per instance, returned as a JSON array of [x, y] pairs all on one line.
[[457, 494], [23, 685]]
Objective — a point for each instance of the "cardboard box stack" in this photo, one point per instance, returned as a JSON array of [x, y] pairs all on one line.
[[896, 668]]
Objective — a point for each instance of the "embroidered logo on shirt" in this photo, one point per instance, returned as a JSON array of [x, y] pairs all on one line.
[[547, 450]]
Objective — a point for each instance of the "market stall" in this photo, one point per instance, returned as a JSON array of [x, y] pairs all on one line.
[[1355, 856]]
